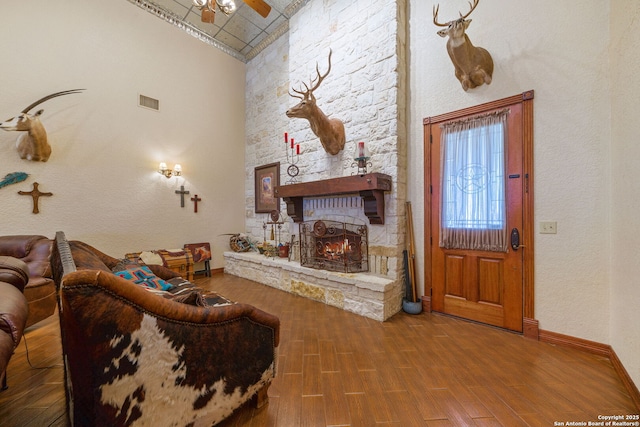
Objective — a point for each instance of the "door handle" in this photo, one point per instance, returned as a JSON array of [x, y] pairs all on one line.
[[515, 239]]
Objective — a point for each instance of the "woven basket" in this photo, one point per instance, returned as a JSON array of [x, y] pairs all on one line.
[[238, 243]]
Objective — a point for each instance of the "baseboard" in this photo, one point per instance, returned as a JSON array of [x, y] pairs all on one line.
[[598, 349], [573, 342], [203, 273], [625, 378]]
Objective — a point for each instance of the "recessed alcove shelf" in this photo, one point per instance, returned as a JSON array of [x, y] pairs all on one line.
[[370, 187]]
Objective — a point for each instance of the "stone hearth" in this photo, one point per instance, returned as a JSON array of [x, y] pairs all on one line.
[[362, 293]]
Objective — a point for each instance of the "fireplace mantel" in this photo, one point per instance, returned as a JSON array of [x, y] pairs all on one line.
[[370, 187]]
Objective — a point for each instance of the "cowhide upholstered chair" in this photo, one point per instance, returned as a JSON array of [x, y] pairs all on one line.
[[135, 358]]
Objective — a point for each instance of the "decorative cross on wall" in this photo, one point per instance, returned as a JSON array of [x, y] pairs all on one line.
[[182, 192], [35, 194], [195, 199]]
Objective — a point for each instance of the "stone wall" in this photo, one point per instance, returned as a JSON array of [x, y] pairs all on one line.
[[365, 89]]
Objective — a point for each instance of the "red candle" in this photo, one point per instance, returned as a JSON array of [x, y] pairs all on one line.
[[360, 149], [292, 143], [298, 149], [286, 138]]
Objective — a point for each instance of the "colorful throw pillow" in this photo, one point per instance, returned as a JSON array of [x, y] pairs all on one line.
[[143, 276]]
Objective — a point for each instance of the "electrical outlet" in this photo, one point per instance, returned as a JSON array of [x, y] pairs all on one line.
[[548, 227]]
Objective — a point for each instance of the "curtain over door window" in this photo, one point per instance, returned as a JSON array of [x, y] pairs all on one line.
[[473, 203]]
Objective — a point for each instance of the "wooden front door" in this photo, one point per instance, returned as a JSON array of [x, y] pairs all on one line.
[[481, 285]]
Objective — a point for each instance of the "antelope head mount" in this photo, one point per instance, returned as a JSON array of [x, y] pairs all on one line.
[[330, 131], [33, 144], [473, 65]]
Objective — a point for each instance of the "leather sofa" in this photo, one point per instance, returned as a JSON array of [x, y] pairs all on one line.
[[13, 309], [136, 353], [40, 291]]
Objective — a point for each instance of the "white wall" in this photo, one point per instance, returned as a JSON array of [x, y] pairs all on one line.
[[105, 148], [625, 188], [560, 50]]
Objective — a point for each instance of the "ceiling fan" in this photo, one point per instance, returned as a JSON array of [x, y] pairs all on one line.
[[227, 7]]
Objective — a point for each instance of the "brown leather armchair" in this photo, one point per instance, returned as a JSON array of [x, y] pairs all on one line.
[[13, 309], [40, 291]]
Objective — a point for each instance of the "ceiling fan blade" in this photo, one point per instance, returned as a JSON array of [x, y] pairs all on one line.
[[208, 15], [259, 6]]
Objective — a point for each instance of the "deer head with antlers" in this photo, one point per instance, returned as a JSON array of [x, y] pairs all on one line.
[[473, 65], [33, 144], [330, 131]]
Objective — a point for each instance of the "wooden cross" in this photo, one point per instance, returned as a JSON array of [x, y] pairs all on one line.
[[181, 192], [35, 194], [195, 199]]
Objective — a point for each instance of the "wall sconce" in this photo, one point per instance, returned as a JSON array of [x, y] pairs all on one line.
[[361, 158], [163, 170]]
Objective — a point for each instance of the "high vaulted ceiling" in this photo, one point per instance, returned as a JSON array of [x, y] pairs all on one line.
[[243, 34]]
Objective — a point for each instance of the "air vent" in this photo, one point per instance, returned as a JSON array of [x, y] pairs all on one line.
[[148, 102]]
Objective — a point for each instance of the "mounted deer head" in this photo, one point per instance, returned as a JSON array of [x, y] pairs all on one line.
[[33, 144], [473, 65], [330, 131]]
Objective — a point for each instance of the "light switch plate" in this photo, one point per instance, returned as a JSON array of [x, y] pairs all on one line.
[[548, 227]]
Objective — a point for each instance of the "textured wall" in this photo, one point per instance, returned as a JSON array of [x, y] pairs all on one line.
[[567, 63], [106, 148], [625, 201], [365, 89]]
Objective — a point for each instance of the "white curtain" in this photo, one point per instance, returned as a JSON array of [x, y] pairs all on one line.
[[473, 182]]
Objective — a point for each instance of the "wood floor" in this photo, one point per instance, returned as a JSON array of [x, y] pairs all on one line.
[[340, 369]]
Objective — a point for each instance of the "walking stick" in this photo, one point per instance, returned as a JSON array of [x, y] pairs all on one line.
[[411, 253]]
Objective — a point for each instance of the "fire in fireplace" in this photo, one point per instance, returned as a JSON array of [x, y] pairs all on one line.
[[334, 246]]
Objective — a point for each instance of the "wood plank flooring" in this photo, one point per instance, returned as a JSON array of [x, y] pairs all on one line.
[[340, 369]]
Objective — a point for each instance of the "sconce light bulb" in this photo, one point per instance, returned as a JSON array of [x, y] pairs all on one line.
[[163, 166], [177, 169], [226, 6]]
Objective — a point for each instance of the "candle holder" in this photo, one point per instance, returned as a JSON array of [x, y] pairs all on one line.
[[361, 159], [292, 170]]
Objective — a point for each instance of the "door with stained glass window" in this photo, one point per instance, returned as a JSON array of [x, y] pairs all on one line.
[[476, 174]]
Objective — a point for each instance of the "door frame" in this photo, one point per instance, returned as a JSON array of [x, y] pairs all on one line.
[[530, 325]]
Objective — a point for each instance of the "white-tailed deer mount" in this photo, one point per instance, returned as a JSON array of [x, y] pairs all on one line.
[[33, 144], [330, 131], [473, 65]]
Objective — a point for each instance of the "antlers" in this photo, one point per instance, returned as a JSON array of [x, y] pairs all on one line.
[[48, 97], [309, 92], [437, 8]]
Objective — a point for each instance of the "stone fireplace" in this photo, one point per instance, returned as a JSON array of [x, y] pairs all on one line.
[[356, 276], [367, 91]]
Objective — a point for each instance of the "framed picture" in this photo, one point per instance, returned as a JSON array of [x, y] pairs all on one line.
[[267, 178]]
